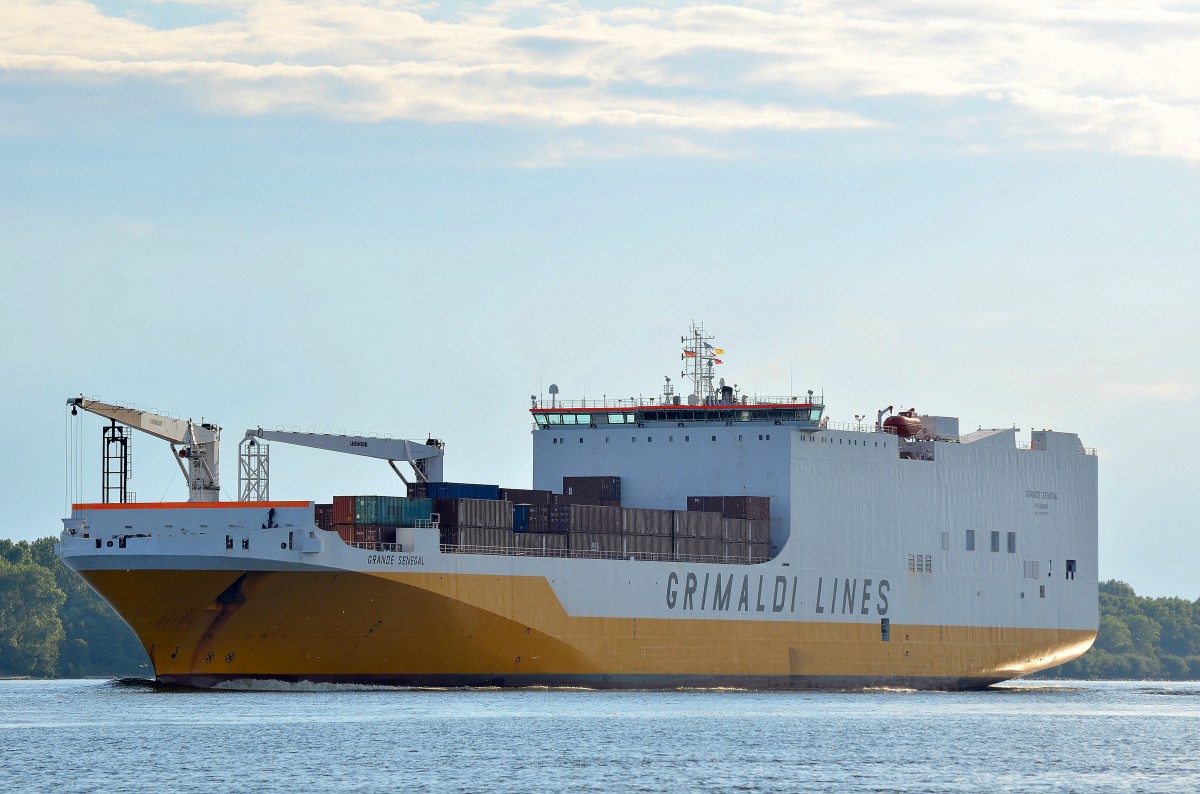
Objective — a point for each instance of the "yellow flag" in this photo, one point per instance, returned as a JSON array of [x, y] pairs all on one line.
[[719, 351]]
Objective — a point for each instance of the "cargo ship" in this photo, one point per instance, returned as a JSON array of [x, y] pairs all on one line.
[[706, 539]]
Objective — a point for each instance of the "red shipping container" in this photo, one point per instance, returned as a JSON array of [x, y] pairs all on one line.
[[343, 509]]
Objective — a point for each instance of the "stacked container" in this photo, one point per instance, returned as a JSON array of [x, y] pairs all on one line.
[[487, 513], [520, 522], [596, 542], [549, 518], [373, 519], [594, 518], [755, 508], [527, 497], [642, 521], [649, 544], [607, 488], [693, 524], [550, 543], [453, 490], [485, 537], [323, 516]]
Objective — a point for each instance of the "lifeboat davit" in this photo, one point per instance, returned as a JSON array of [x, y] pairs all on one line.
[[905, 423]]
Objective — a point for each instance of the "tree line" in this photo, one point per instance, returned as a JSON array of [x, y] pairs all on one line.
[[1140, 638], [53, 625]]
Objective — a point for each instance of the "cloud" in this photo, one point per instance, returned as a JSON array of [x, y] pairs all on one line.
[[1123, 79]]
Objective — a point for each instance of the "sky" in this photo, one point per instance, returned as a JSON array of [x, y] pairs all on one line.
[[406, 218]]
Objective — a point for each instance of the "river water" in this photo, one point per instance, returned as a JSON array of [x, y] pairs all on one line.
[[67, 736]]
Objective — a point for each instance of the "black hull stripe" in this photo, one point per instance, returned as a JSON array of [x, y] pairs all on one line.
[[600, 681]]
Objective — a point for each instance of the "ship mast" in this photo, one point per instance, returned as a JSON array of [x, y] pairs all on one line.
[[698, 359]]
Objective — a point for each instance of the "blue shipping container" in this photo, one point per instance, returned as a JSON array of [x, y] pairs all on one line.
[[461, 490], [520, 518]]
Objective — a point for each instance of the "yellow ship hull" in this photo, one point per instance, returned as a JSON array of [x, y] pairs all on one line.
[[203, 627]]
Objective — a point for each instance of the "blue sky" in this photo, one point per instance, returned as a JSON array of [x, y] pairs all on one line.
[[408, 217]]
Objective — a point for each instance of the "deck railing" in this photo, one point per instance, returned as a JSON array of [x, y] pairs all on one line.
[[656, 401], [510, 551]]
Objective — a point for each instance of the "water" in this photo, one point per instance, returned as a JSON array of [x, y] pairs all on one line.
[[67, 736]]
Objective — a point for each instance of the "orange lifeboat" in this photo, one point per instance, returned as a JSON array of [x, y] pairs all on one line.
[[905, 423]]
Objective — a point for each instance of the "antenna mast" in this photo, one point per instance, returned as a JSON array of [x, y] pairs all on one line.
[[698, 359]]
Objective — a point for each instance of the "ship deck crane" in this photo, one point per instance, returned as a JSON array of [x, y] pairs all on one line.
[[198, 444], [254, 475]]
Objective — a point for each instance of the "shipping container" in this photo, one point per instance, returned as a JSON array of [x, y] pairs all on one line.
[[749, 507], [733, 530], [594, 518], [474, 513], [759, 552], [705, 504], [745, 507], [526, 497], [603, 487], [558, 518], [699, 547], [343, 510], [644, 521], [366, 533], [566, 501], [649, 544], [735, 551], [545, 542], [366, 510], [521, 518], [455, 490], [693, 524], [323, 516], [539, 518], [602, 542], [400, 511], [485, 537], [758, 531]]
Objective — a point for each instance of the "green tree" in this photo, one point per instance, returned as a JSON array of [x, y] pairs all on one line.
[[95, 641], [1140, 638], [30, 629]]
